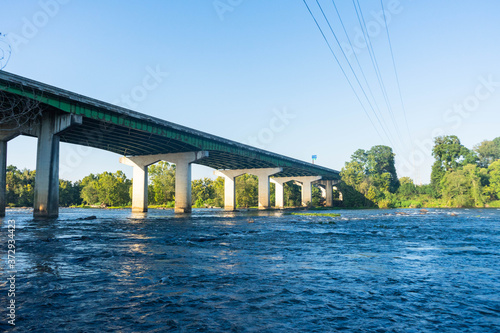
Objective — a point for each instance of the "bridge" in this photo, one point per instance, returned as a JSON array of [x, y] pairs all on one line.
[[54, 115]]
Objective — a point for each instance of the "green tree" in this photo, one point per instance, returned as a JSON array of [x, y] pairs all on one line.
[[108, 189], [292, 195], [20, 187], [317, 197], [462, 188], [202, 192], [488, 152], [162, 178], [90, 189], [246, 191], [450, 155], [373, 174], [493, 188], [114, 189], [407, 190], [69, 193], [353, 173], [218, 186], [382, 168]]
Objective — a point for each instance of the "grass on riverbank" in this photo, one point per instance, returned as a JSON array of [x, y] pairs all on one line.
[[316, 214]]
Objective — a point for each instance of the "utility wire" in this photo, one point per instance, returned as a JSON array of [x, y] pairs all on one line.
[[396, 72], [374, 61], [352, 70], [341, 68], [357, 62]]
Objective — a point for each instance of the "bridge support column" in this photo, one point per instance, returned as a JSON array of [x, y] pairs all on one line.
[[3, 177], [140, 180], [279, 200], [263, 175], [182, 163], [326, 187], [307, 188], [279, 196], [329, 193], [229, 188], [305, 182], [5, 136], [46, 203]]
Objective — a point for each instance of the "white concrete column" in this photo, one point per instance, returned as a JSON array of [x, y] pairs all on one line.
[[5, 136], [279, 195], [305, 182], [3, 177], [329, 193], [263, 175], [182, 187], [139, 180], [46, 202], [326, 187], [182, 163], [229, 187], [307, 188]]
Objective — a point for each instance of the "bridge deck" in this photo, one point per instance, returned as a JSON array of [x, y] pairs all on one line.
[[129, 133]]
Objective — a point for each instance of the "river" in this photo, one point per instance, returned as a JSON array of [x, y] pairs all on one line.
[[213, 271]]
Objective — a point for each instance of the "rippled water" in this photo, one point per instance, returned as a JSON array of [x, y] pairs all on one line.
[[255, 272]]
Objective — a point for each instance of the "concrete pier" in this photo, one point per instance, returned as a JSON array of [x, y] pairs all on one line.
[[327, 186], [305, 182], [3, 177], [182, 163], [140, 180], [46, 202], [229, 188], [5, 136]]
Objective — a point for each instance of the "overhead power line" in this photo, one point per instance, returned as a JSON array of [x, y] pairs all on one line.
[[373, 58], [341, 68], [396, 72], [346, 76]]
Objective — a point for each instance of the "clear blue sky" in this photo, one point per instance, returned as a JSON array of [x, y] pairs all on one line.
[[234, 65]]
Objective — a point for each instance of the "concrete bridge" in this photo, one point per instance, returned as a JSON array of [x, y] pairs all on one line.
[[55, 115]]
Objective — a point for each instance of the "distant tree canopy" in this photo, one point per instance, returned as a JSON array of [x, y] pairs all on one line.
[[106, 189], [488, 152], [20, 187], [449, 155], [372, 174], [460, 178], [162, 183]]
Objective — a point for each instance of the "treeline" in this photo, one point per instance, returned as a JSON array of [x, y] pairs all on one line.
[[115, 190], [460, 177]]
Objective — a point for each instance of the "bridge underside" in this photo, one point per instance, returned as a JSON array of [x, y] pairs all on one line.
[[129, 133], [132, 142]]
